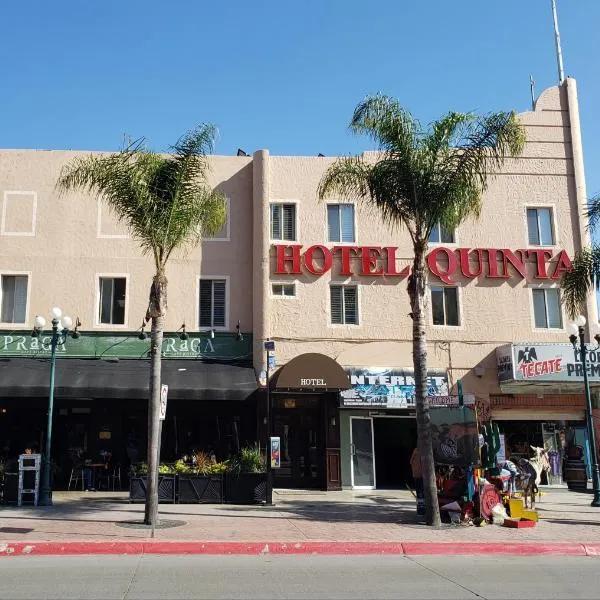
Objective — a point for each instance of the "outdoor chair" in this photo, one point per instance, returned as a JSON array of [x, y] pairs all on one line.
[[109, 478], [76, 477]]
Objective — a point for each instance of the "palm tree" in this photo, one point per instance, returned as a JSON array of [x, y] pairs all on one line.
[[419, 177], [167, 205], [585, 271]]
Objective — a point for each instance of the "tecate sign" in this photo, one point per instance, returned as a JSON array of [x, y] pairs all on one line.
[[545, 363]]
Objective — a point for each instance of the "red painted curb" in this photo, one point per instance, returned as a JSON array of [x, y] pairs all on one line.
[[322, 548]]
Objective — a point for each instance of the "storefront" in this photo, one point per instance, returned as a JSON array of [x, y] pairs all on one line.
[[544, 405], [378, 425], [101, 397], [304, 399]]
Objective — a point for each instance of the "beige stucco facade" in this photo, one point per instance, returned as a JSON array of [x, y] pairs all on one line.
[[64, 243]]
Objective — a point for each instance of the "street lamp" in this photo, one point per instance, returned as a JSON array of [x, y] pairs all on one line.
[[60, 330], [577, 334], [269, 346]]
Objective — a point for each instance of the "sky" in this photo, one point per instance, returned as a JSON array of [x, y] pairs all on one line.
[[280, 75]]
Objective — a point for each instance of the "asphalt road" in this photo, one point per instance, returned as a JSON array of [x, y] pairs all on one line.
[[149, 577]]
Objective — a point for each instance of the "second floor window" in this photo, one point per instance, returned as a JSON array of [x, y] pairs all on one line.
[[440, 235], [283, 222], [340, 222], [444, 306], [539, 226], [212, 303], [13, 295], [112, 300], [546, 308], [344, 305], [283, 289]]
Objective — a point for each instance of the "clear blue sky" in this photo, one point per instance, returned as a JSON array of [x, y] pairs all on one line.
[[280, 75]]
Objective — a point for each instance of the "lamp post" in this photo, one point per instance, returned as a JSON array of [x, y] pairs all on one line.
[[269, 347], [577, 335], [60, 330]]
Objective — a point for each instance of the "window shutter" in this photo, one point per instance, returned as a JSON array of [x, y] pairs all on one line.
[[106, 293], [350, 306], [275, 221], [545, 226], [219, 303], [333, 222], [451, 305], [347, 219], [539, 309], [337, 317], [8, 298], [206, 303], [289, 222], [532, 227], [553, 308]]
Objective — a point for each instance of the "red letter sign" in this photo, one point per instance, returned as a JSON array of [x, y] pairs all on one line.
[[433, 266], [283, 258]]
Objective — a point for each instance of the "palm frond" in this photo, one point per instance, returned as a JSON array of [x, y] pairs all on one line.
[[593, 212], [580, 279], [164, 200]]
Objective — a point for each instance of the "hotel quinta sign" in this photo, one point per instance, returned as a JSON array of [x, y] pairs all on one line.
[[447, 264]]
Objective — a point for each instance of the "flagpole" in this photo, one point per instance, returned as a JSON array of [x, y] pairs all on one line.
[[559, 60]]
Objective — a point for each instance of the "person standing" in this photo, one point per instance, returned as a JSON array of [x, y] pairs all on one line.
[[417, 473]]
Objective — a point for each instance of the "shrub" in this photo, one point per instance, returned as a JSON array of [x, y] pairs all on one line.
[[249, 460]]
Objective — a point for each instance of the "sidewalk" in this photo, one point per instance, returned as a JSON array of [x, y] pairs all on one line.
[[368, 517]]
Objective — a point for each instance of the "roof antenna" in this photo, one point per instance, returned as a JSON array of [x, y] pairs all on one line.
[[532, 88], [559, 60]]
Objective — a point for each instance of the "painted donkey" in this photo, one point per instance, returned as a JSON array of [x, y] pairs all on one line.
[[531, 473]]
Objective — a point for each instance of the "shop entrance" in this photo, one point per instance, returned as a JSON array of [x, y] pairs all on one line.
[[296, 421], [395, 439]]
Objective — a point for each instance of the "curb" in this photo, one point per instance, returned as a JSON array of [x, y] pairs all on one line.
[[295, 548]]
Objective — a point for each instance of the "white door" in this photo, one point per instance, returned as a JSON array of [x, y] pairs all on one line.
[[363, 452]]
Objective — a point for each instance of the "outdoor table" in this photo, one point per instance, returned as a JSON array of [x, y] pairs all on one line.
[[95, 467]]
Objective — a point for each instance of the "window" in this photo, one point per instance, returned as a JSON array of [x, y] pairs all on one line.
[[444, 305], [212, 303], [440, 235], [283, 222], [344, 305], [546, 308], [283, 289], [539, 226], [340, 222], [223, 233], [112, 300], [14, 298]]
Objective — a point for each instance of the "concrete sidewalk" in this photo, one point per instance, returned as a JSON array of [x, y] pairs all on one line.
[[347, 516]]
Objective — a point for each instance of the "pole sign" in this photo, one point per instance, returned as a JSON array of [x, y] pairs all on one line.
[[546, 363], [389, 388], [275, 454], [164, 391]]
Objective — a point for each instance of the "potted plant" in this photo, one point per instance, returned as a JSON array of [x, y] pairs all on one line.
[[200, 481], [138, 482], [246, 480]]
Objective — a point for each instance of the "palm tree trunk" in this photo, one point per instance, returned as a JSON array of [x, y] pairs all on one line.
[[416, 290], [156, 311]]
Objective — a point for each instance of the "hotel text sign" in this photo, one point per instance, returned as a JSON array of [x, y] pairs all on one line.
[[445, 263]]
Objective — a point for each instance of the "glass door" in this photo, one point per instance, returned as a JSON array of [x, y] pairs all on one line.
[[363, 453]]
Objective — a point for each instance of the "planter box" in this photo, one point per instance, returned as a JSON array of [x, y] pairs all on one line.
[[193, 489], [166, 488], [246, 488]]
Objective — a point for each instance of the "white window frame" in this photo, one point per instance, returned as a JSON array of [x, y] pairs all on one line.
[[354, 223], [552, 208], [545, 286], [3, 230], [107, 236], [459, 299], [283, 296], [297, 224], [227, 237], [96, 319], [27, 301], [345, 284], [454, 243], [226, 278]]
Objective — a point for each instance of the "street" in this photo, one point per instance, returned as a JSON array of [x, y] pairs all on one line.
[[108, 577]]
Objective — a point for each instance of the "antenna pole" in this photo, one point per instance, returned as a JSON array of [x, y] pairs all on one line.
[[559, 60], [532, 88]]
